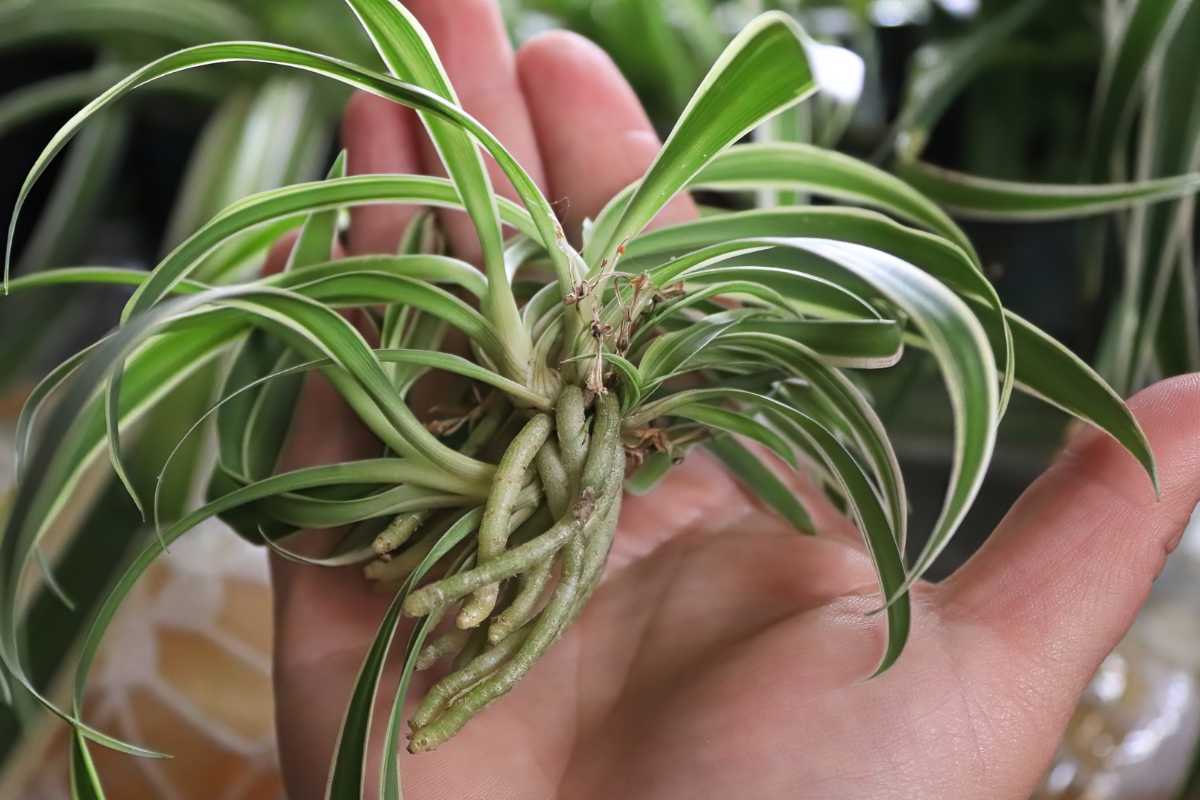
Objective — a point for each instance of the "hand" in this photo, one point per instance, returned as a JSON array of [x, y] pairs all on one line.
[[724, 655]]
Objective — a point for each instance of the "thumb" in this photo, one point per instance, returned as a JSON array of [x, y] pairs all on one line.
[[1063, 577]]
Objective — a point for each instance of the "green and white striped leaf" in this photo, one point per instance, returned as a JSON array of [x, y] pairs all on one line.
[[764, 70], [934, 255], [755, 475], [410, 55], [964, 355], [807, 168], [872, 522], [318, 236], [974, 197], [255, 52]]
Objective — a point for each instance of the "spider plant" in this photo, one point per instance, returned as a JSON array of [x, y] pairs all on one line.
[[593, 368]]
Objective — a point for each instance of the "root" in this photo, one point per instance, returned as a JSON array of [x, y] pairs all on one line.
[[440, 694], [532, 585], [449, 643], [397, 568], [572, 431], [523, 557], [580, 476], [493, 530], [397, 533], [556, 483]]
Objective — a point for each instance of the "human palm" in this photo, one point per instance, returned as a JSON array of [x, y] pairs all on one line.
[[724, 655]]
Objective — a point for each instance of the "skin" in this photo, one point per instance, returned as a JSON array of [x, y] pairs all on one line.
[[723, 655]]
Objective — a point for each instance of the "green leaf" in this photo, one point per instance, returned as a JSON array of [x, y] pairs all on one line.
[[764, 70], [872, 522], [1146, 32], [839, 343], [237, 390], [360, 288], [319, 234], [384, 470], [1048, 370], [85, 782], [965, 358], [51, 580], [803, 167], [410, 55], [319, 332], [239, 449], [974, 197], [310, 326], [669, 353], [932, 254], [312, 513], [279, 204], [649, 473], [738, 423], [755, 475], [845, 404], [244, 459], [52, 95], [152, 373], [35, 400], [202, 191], [425, 333], [1162, 268], [881, 539], [542, 215], [630, 377], [56, 461], [61, 235], [1177, 341], [427, 268], [63, 227], [809, 294]]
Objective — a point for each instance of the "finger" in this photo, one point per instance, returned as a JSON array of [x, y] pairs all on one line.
[[277, 256], [1062, 578], [473, 44], [594, 136], [380, 137]]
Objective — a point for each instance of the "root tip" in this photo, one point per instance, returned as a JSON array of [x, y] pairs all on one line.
[[467, 620], [421, 742]]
